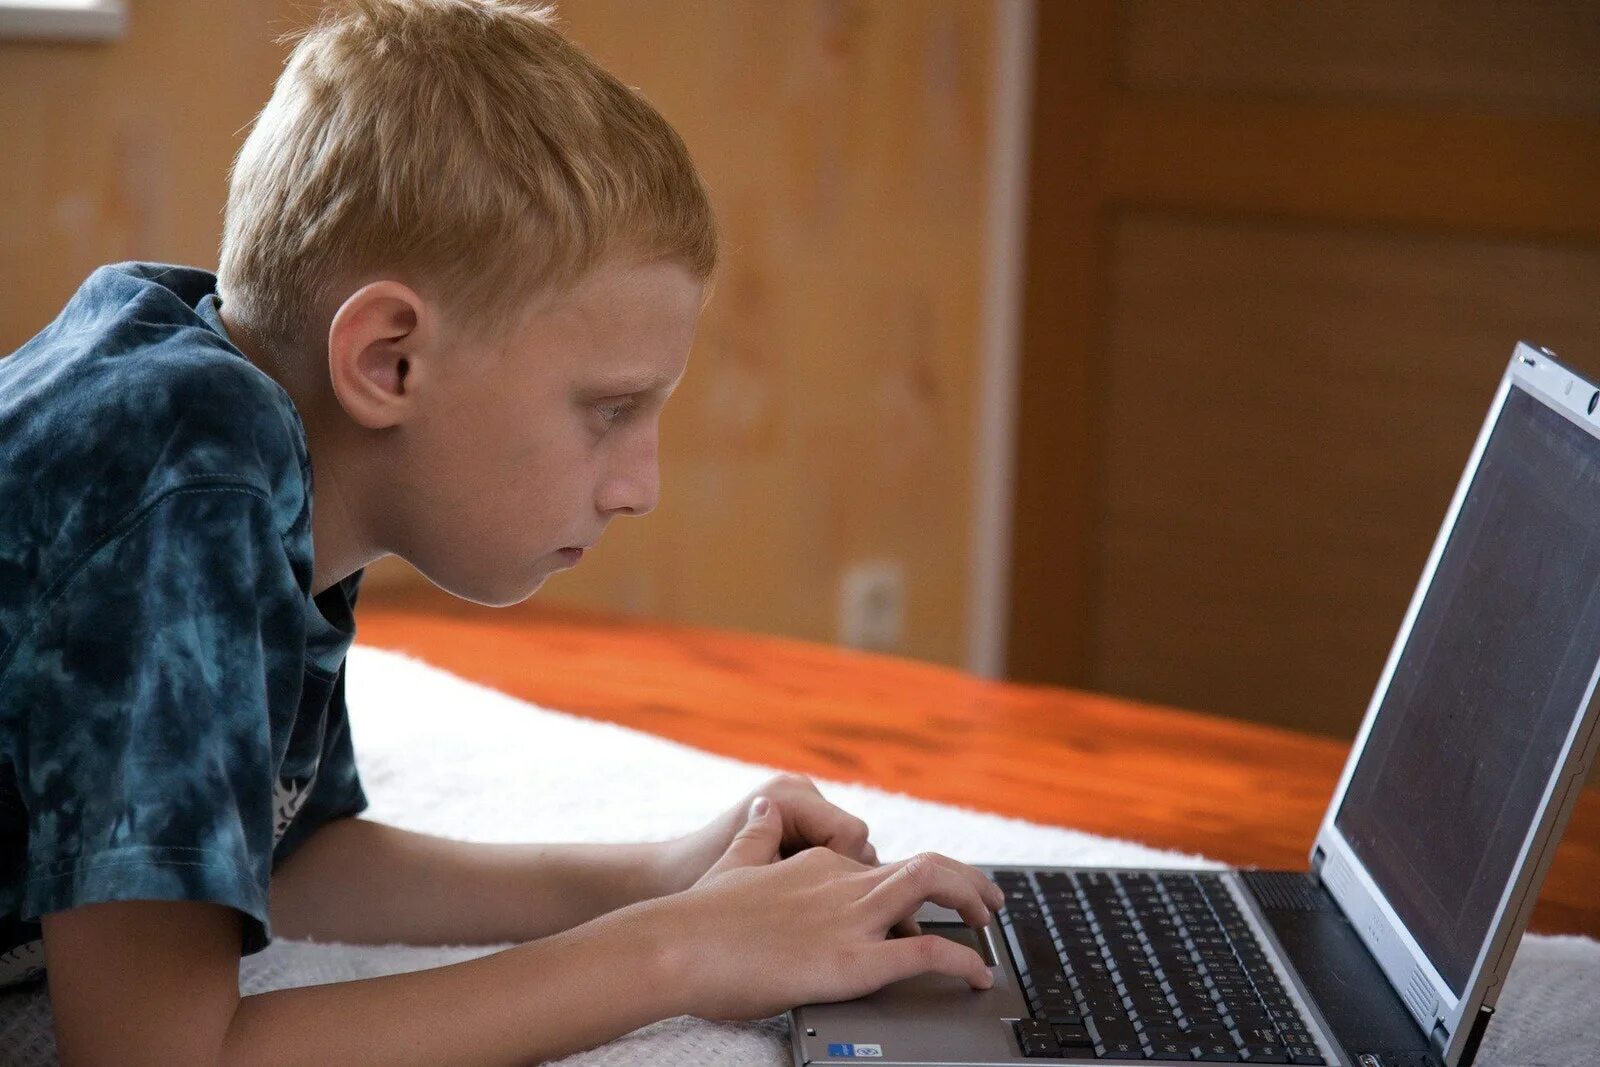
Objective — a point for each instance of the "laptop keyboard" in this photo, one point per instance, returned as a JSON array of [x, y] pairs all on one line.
[[1145, 965]]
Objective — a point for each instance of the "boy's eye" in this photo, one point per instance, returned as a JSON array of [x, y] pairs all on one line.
[[613, 411]]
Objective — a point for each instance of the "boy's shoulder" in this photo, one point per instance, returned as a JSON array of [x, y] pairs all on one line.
[[139, 350], [132, 392]]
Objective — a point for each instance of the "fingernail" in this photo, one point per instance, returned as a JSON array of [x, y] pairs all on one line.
[[760, 807]]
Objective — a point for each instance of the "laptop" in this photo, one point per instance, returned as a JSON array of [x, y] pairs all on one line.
[[1391, 950]]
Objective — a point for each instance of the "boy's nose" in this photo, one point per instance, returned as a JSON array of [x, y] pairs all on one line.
[[635, 493]]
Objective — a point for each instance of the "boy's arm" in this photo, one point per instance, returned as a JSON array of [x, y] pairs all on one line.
[[359, 881], [156, 982]]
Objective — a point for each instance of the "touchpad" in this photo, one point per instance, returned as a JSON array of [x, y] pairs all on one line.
[[937, 913]]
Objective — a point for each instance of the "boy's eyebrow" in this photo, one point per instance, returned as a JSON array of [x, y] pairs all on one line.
[[647, 382]]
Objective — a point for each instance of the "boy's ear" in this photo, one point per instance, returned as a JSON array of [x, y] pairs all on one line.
[[374, 340]]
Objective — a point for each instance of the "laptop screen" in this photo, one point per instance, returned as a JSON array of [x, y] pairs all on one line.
[[1486, 688]]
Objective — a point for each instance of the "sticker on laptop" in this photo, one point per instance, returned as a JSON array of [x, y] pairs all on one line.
[[867, 1052]]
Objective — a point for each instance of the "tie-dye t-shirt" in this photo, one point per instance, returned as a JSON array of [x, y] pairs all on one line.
[[172, 716]]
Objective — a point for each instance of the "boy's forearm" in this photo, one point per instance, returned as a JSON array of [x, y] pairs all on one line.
[[360, 881], [525, 1004]]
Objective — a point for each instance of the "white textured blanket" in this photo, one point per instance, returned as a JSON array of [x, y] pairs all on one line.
[[442, 755]]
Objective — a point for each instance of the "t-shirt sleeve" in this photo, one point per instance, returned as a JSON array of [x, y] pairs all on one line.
[[143, 748], [335, 792]]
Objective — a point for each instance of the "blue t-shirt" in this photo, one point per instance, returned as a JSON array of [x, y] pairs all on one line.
[[172, 716]]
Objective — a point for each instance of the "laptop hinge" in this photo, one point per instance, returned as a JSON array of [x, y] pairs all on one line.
[[1318, 856], [1480, 1023], [1439, 1039]]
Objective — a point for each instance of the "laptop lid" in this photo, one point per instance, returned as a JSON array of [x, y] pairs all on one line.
[[1480, 732]]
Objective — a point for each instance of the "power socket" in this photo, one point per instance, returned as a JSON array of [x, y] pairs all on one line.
[[872, 606]]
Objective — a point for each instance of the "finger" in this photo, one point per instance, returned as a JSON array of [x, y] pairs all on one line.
[[818, 822], [758, 840], [989, 892], [905, 886], [929, 953], [907, 927]]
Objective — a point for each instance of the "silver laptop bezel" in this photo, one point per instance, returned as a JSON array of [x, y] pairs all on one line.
[[1438, 1011]]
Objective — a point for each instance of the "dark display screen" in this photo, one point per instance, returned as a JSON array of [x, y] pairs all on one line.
[[1486, 689]]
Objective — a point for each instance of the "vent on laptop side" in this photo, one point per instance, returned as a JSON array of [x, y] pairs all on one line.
[[1419, 995], [1336, 876], [1286, 891]]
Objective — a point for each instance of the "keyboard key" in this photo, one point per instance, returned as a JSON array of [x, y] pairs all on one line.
[[1032, 949], [1215, 1052], [1120, 1049], [1072, 1036], [1108, 1028], [1258, 1035], [1233, 1005], [1035, 1039], [1263, 1054], [1208, 1035], [1101, 999], [1169, 1050], [1303, 1054]]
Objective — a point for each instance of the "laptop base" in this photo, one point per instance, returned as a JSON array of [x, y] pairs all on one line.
[[932, 1019]]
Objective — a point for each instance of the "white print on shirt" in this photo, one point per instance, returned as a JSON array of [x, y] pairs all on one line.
[[23, 963], [287, 798]]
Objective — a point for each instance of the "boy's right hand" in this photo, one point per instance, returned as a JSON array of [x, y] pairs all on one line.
[[764, 935]]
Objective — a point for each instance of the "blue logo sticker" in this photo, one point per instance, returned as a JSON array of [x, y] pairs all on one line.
[[869, 1052]]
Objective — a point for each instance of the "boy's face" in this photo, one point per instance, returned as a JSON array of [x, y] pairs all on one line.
[[522, 450]]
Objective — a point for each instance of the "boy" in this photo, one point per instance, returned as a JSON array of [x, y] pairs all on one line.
[[460, 273]]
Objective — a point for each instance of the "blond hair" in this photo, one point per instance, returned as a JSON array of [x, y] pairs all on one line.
[[465, 144]]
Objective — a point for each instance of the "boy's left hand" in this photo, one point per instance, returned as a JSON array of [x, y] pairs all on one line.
[[808, 820]]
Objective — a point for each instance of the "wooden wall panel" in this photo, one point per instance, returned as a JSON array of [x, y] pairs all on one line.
[[1287, 411], [1059, 443], [827, 414], [121, 150], [1496, 55], [1311, 183]]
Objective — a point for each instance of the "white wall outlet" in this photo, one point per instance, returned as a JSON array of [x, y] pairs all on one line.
[[872, 599]]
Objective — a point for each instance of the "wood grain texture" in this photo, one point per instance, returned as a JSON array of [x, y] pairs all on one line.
[[1237, 792], [1367, 204], [1400, 166], [1486, 55], [1287, 412], [121, 150]]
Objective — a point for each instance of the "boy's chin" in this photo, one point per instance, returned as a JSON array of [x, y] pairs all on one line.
[[494, 594]]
